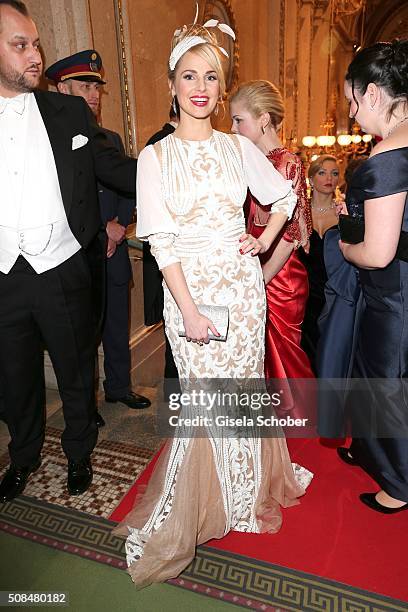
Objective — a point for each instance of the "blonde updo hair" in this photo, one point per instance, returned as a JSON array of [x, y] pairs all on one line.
[[317, 164], [208, 51], [261, 97]]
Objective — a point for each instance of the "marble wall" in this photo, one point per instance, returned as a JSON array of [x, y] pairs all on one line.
[[69, 26], [64, 26]]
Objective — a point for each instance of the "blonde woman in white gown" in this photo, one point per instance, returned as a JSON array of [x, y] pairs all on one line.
[[191, 187]]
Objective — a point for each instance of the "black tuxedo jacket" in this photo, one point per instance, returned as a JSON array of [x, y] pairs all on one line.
[[152, 277], [113, 205], [165, 131], [78, 169]]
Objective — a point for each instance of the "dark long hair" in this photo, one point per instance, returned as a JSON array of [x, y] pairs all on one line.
[[386, 65]]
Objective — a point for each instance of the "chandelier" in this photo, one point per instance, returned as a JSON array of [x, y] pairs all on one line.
[[355, 144], [343, 146]]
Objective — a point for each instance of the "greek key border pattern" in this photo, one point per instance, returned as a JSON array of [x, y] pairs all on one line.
[[287, 589], [220, 574], [47, 523]]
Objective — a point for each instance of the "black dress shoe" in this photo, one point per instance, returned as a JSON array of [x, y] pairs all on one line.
[[15, 480], [369, 500], [99, 420], [79, 476], [132, 400], [345, 456]]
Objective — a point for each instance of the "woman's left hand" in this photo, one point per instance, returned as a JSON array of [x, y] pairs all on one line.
[[250, 244]]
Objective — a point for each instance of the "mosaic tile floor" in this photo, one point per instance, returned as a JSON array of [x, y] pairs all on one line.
[[133, 427], [116, 466]]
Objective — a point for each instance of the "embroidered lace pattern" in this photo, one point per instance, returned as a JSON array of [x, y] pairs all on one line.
[[203, 187], [299, 227]]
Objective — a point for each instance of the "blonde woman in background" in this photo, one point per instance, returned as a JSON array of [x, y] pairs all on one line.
[[257, 112], [323, 177]]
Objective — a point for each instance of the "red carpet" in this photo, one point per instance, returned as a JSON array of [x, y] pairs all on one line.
[[128, 501], [331, 534]]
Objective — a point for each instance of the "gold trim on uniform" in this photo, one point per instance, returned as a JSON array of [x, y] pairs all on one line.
[[77, 74]]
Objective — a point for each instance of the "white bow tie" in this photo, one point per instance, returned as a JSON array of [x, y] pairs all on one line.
[[17, 104]]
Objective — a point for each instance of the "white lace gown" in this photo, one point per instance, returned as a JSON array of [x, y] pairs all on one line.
[[190, 197]]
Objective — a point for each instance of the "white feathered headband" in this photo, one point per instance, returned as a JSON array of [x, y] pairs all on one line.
[[192, 41]]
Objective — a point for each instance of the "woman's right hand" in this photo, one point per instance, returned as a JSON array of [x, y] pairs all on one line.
[[196, 327]]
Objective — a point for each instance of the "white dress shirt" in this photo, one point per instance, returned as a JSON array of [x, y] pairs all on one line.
[[33, 222]]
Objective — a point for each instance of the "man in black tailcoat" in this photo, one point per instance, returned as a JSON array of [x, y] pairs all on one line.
[[51, 154]]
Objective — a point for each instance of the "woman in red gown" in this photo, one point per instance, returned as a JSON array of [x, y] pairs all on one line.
[[257, 112]]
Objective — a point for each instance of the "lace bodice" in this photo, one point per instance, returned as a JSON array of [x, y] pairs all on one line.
[[191, 193], [299, 228]]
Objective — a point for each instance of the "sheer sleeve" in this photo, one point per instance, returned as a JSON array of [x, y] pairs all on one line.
[[264, 182], [154, 221], [299, 228]]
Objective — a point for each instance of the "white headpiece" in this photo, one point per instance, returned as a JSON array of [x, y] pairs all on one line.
[[192, 41]]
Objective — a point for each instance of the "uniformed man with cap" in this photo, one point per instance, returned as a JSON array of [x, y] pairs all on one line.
[[80, 75]]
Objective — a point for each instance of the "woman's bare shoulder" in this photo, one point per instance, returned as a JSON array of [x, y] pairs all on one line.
[[394, 141]]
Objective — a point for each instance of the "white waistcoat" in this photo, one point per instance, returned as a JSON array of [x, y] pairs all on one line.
[[33, 222]]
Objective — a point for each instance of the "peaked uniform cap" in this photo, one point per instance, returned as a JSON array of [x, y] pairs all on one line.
[[82, 66]]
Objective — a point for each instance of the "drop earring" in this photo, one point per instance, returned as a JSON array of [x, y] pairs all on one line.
[[262, 129], [174, 105], [220, 101]]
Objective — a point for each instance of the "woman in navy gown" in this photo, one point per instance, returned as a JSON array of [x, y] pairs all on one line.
[[338, 328], [376, 86], [323, 174]]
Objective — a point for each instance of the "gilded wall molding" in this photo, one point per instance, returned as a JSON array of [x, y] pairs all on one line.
[[126, 76], [223, 11], [320, 10], [282, 25], [395, 25], [295, 75], [309, 99], [376, 15], [321, 5]]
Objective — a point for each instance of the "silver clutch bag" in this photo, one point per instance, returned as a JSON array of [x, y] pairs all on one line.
[[219, 315]]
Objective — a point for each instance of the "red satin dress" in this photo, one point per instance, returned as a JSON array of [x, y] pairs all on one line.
[[287, 292]]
